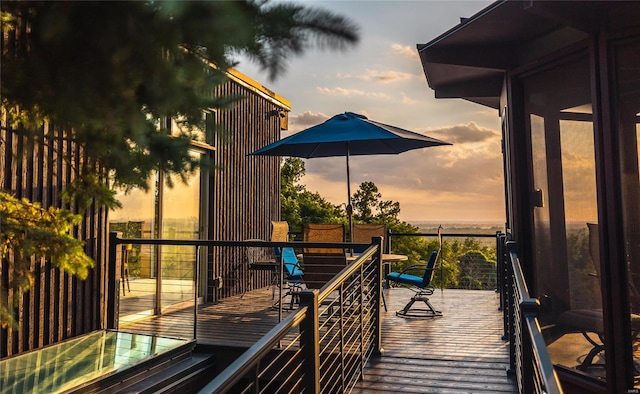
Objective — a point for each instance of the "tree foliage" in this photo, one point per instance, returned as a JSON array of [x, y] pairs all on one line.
[[109, 72], [461, 263], [298, 205], [31, 233], [110, 75]]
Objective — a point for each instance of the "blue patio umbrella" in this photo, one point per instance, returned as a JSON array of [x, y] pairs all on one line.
[[348, 134]]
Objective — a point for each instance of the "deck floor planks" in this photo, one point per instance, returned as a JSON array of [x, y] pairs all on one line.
[[457, 353], [235, 321], [460, 352]]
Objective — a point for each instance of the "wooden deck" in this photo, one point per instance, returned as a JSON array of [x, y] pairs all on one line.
[[459, 352], [235, 321]]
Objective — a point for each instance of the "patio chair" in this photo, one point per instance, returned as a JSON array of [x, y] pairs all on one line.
[[322, 264], [588, 321], [420, 285], [331, 233], [292, 274], [260, 258], [362, 233], [321, 268]]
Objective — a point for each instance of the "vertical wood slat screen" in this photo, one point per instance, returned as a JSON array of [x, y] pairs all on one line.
[[58, 306], [245, 195]]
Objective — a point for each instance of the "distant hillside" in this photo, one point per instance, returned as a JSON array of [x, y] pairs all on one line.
[[460, 227]]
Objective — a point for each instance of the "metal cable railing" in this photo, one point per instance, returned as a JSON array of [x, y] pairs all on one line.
[[529, 359], [338, 330]]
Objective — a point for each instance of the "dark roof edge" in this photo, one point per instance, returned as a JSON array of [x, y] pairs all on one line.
[[464, 22]]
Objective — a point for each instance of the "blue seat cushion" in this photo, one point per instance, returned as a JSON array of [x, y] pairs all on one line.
[[291, 267], [406, 279]]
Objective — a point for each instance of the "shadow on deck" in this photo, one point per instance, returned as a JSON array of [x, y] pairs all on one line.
[[459, 352]]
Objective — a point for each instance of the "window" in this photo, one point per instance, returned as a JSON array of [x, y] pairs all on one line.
[[559, 122]]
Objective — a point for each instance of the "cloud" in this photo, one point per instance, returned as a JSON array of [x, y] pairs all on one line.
[[418, 180], [352, 93], [464, 133], [468, 173], [385, 76], [406, 100], [308, 118], [405, 50], [340, 91]]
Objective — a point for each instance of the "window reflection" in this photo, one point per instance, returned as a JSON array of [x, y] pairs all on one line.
[[180, 220], [559, 115], [160, 212], [580, 202], [137, 219], [627, 58]]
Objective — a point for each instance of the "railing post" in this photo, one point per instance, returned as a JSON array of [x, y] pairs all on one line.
[[377, 312], [510, 306], [499, 265], [113, 285], [503, 275], [528, 309], [309, 342], [196, 285]]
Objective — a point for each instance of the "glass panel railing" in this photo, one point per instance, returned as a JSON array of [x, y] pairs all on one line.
[[74, 362]]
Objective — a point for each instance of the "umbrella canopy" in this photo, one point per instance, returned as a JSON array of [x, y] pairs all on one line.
[[348, 134]]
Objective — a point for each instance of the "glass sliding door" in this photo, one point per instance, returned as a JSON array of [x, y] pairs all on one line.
[[180, 220], [137, 219], [559, 120], [155, 278], [626, 56]]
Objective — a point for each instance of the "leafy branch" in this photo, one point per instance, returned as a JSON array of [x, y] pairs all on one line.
[[30, 233]]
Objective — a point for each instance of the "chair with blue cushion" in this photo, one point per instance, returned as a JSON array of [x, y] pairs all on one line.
[[292, 275], [292, 272], [420, 285]]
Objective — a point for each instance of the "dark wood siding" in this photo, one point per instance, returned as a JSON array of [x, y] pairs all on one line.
[[245, 190], [244, 197], [58, 306]]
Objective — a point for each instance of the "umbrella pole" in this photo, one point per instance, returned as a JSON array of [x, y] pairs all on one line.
[[439, 254], [349, 207]]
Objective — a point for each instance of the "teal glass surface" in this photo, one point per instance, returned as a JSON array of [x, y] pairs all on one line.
[[74, 362]]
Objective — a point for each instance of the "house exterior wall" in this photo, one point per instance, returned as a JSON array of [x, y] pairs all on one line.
[[58, 306], [245, 190], [238, 200], [575, 175], [570, 106]]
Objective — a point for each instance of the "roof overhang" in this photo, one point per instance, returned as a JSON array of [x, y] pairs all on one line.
[[469, 61]]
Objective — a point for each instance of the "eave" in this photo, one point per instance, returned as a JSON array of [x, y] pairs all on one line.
[[469, 61]]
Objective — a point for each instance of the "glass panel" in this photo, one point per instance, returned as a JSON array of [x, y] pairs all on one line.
[[137, 219], [627, 57], [580, 202], [542, 242], [71, 363], [197, 133], [559, 115], [180, 220]]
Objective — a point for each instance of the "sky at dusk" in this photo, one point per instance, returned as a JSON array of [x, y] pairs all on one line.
[[382, 78]]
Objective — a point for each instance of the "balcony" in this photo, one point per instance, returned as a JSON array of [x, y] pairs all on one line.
[[464, 350], [340, 338]]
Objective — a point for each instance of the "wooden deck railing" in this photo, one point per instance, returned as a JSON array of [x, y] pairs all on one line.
[[324, 345], [529, 359]]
